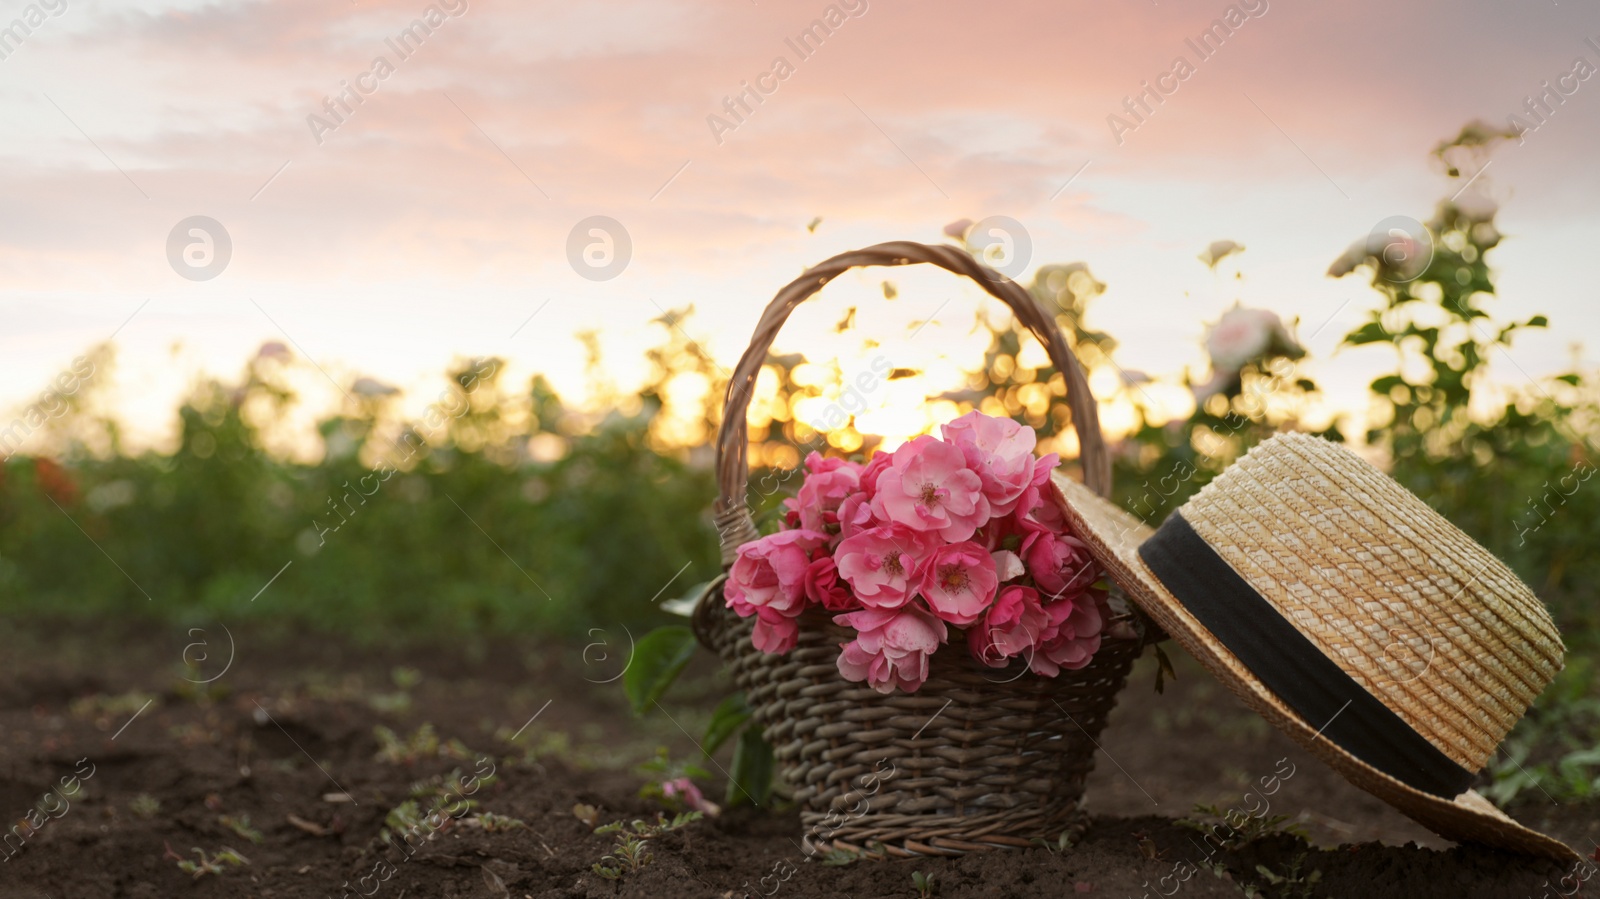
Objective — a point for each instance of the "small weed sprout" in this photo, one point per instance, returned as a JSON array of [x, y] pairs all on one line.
[[1060, 844], [423, 744], [433, 791], [103, 708], [1237, 835], [1293, 883], [489, 822], [241, 826], [405, 818], [216, 865], [144, 806], [425, 812], [924, 884], [398, 702], [838, 858], [632, 849], [628, 856]]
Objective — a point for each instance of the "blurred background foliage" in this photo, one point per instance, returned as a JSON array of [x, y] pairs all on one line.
[[504, 510]]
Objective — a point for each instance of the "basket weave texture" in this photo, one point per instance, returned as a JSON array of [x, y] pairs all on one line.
[[978, 758]]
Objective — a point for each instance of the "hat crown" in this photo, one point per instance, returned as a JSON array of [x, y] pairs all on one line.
[[1412, 609]]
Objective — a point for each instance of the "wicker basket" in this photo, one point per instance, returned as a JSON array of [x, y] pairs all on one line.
[[978, 758]]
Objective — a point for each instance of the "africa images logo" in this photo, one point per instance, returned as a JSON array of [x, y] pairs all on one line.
[[1141, 106], [342, 105], [739, 107]]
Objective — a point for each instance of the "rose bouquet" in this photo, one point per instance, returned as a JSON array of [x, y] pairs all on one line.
[[937, 534]]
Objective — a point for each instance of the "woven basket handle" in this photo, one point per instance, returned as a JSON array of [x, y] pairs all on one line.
[[733, 519]]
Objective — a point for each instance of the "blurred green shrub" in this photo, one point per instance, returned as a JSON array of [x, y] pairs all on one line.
[[438, 527]]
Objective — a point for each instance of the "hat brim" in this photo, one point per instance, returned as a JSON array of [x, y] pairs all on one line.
[[1114, 537]]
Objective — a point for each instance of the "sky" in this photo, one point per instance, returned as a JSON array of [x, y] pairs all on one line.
[[429, 213]]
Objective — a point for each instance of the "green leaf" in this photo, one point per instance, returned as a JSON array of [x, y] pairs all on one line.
[[657, 661], [1538, 321], [1371, 332], [1430, 336], [751, 779], [1383, 385], [730, 715]]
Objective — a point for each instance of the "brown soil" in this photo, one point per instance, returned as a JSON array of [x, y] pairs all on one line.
[[243, 746]]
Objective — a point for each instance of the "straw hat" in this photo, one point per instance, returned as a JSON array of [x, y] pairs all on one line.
[[1352, 616]]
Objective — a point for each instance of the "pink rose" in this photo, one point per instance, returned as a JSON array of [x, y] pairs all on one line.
[[884, 565], [829, 482], [771, 573], [823, 587], [1006, 532], [775, 633], [1072, 636], [1007, 565], [927, 487], [1012, 626], [855, 515], [683, 790], [1243, 335], [1239, 336], [1038, 500], [959, 582], [875, 467], [1000, 451], [891, 647], [1060, 564], [817, 463]]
